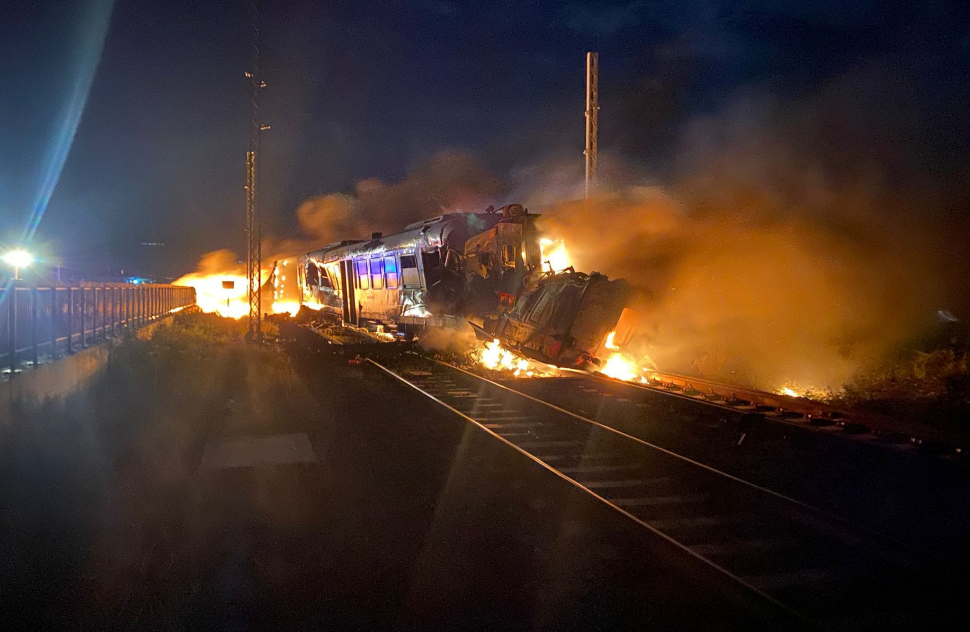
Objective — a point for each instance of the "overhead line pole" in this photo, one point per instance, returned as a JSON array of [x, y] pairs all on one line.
[[592, 119], [253, 224]]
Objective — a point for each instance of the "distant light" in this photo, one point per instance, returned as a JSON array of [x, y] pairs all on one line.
[[18, 258]]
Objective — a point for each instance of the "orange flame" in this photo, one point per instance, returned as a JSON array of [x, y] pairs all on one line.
[[494, 357], [554, 255], [223, 293], [222, 287], [620, 365]]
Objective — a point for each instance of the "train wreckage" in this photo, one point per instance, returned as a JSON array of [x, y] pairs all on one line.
[[486, 268]]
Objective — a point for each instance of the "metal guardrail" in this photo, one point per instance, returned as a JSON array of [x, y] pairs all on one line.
[[38, 322]]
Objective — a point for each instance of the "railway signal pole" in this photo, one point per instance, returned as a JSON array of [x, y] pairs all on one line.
[[253, 225], [592, 119]]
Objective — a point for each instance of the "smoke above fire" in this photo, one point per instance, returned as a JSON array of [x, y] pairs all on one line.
[[760, 265], [448, 182]]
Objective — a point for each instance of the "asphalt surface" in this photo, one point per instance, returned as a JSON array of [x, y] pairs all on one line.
[[368, 508]]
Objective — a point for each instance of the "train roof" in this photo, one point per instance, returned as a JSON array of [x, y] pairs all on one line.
[[430, 233]]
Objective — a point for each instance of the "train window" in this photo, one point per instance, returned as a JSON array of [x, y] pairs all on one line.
[[312, 274], [363, 280], [390, 269], [508, 255], [409, 271], [542, 308], [377, 273], [334, 271]]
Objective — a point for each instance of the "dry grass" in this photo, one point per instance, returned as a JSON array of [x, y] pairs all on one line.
[[930, 387]]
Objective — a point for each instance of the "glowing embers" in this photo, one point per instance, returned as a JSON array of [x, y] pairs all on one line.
[[284, 301], [554, 255], [494, 357], [804, 392]]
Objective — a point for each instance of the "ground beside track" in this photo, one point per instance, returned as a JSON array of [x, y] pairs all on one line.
[[404, 517], [922, 500]]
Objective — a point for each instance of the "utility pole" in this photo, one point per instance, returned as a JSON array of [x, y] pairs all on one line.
[[253, 225], [592, 119]]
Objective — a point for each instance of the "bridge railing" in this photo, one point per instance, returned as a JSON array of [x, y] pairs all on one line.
[[45, 322]]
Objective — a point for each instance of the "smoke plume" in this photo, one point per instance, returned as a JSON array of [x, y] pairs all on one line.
[[450, 181], [762, 266]]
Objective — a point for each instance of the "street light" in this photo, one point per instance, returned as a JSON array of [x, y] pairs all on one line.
[[18, 259]]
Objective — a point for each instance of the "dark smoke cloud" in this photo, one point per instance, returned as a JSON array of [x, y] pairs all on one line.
[[450, 181]]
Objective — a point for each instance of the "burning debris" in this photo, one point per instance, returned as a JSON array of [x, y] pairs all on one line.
[[494, 357]]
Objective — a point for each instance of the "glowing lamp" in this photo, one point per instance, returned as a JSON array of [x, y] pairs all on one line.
[[18, 259]]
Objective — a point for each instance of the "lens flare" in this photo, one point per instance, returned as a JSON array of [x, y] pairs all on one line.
[[91, 36]]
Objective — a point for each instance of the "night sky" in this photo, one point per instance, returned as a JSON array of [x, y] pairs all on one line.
[[368, 89]]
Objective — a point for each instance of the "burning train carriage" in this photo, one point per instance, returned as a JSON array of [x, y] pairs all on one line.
[[420, 277], [486, 267], [565, 319]]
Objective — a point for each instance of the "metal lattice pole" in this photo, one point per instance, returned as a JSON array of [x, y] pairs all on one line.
[[253, 228], [592, 119]]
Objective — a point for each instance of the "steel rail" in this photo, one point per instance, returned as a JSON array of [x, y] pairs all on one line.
[[670, 383], [789, 513], [746, 587]]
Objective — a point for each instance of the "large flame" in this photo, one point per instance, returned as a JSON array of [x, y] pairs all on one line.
[[622, 368], [620, 365], [223, 293], [554, 255], [496, 358], [221, 287]]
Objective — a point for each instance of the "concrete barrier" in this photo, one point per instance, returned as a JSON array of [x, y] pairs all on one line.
[[61, 377]]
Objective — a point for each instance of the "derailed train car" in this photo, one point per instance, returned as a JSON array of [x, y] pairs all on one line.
[[564, 320], [484, 267], [418, 278]]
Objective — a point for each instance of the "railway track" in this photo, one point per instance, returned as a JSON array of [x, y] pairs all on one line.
[[802, 563], [806, 413]]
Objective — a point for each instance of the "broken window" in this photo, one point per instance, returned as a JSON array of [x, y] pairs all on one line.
[[508, 256], [333, 270], [312, 274], [409, 271]]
